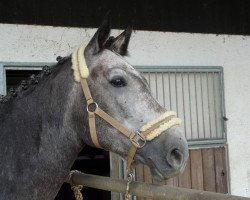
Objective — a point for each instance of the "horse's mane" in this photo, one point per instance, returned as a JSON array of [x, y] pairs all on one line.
[[28, 85]]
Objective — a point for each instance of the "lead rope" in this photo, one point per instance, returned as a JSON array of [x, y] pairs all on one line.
[[75, 188]]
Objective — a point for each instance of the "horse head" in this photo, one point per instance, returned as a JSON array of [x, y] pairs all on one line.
[[122, 92]]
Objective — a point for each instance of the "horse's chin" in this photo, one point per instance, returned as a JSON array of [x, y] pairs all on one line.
[[158, 176]]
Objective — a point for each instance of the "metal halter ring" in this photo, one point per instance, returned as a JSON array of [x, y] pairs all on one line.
[[138, 140], [95, 107]]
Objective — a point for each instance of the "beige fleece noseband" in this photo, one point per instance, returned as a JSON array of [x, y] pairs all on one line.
[[138, 139]]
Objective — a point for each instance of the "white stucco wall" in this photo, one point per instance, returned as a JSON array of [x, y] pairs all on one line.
[[21, 43]]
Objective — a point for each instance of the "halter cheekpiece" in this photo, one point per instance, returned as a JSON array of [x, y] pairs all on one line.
[[139, 138]]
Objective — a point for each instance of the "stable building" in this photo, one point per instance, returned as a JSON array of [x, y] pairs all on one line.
[[195, 57]]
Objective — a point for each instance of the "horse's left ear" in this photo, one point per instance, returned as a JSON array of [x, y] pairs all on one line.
[[99, 39], [120, 43]]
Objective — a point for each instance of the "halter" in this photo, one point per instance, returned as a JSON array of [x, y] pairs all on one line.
[[139, 138]]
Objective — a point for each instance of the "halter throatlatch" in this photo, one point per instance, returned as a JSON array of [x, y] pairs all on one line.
[[138, 139]]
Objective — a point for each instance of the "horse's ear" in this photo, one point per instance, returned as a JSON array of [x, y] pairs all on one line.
[[120, 43], [100, 37]]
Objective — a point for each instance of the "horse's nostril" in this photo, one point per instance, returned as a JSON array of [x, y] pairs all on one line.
[[175, 158], [175, 154]]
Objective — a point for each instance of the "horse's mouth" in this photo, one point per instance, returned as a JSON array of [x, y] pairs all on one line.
[[157, 174]]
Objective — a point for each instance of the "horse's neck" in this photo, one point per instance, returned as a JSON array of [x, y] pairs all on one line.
[[41, 141]]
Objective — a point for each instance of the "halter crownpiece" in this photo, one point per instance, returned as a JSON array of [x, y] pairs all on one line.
[[138, 139], [79, 65]]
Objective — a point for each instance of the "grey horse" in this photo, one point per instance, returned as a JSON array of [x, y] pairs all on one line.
[[44, 124]]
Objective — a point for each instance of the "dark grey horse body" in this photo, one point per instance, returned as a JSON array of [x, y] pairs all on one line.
[[40, 137], [44, 127]]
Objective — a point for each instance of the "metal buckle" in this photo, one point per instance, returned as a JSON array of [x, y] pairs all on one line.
[[90, 109], [138, 140]]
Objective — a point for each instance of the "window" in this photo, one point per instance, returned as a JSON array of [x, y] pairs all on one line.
[[196, 94], [12, 73]]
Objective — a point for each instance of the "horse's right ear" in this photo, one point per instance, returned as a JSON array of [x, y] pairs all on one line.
[[97, 42]]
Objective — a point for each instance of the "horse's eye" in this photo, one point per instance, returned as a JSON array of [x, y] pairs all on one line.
[[118, 81]]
